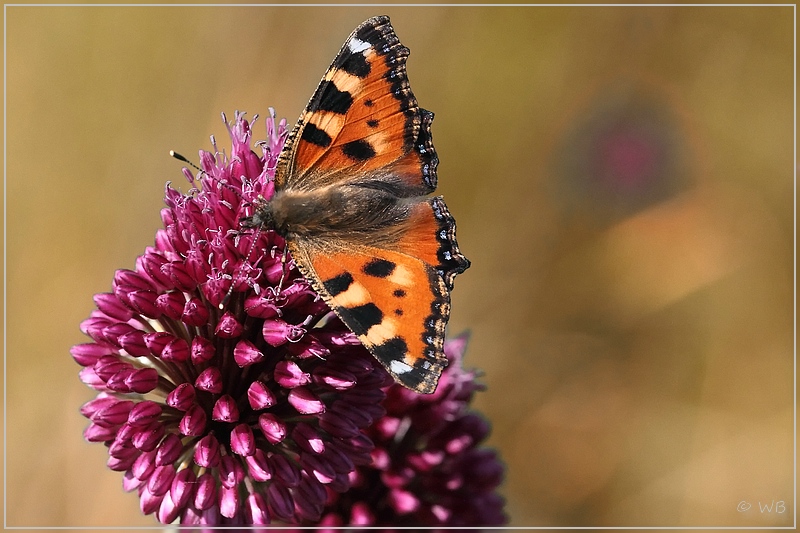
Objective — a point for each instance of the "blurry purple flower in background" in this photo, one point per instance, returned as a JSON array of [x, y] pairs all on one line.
[[265, 408], [624, 152]]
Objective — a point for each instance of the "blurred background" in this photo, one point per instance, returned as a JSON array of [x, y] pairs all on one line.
[[622, 178]]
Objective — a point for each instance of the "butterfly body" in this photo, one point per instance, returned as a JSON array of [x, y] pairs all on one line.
[[350, 199]]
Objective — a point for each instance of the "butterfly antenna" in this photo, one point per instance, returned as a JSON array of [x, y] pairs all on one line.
[[179, 157]]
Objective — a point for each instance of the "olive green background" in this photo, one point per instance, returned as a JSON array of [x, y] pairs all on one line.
[[637, 343]]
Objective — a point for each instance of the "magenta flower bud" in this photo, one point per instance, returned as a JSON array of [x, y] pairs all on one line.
[[195, 313], [202, 350], [272, 427], [243, 441], [318, 466], [231, 471], [194, 421], [225, 409], [210, 380], [259, 396], [305, 402], [130, 280], [206, 452], [111, 413], [167, 511], [158, 340], [334, 378], [148, 438], [245, 354], [108, 365], [178, 276], [182, 397], [131, 482], [206, 493], [149, 502], [259, 466], [280, 502], [176, 351], [144, 465], [171, 304], [98, 433], [285, 471], [144, 414], [228, 327], [142, 380], [255, 509], [308, 439], [360, 515], [169, 450], [229, 501], [161, 480], [122, 463], [289, 375], [196, 267], [151, 263], [144, 302], [276, 332], [112, 332], [259, 307], [183, 486], [99, 403], [109, 304], [307, 348], [89, 353], [133, 343], [117, 382]]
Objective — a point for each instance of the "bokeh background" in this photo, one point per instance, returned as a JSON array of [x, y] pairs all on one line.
[[622, 179]]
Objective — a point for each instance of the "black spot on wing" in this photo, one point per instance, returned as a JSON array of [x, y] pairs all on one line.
[[338, 284], [368, 102], [372, 123], [314, 135], [379, 268], [360, 150], [362, 317], [399, 293], [333, 99], [357, 65], [398, 312], [390, 350]]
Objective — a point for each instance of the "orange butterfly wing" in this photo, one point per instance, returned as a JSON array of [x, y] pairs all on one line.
[[362, 118], [363, 134], [396, 300]]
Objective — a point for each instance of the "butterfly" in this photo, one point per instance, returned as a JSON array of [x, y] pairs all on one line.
[[351, 187]]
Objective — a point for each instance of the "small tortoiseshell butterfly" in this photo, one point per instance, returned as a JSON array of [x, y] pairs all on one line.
[[350, 201]]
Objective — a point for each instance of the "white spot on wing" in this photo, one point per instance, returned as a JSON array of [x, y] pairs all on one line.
[[357, 46], [399, 367]]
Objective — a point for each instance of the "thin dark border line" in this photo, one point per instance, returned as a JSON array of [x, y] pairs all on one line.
[[163, 526]]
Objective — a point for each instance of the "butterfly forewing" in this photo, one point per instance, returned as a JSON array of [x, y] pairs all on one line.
[[363, 119]]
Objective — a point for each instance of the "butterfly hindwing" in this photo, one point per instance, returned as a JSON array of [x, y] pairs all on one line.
[[396, 304], [430, 235], [363, 120]]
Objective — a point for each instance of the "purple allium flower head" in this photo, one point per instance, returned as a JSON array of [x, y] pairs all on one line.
[[428, 468], [227, 406]]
